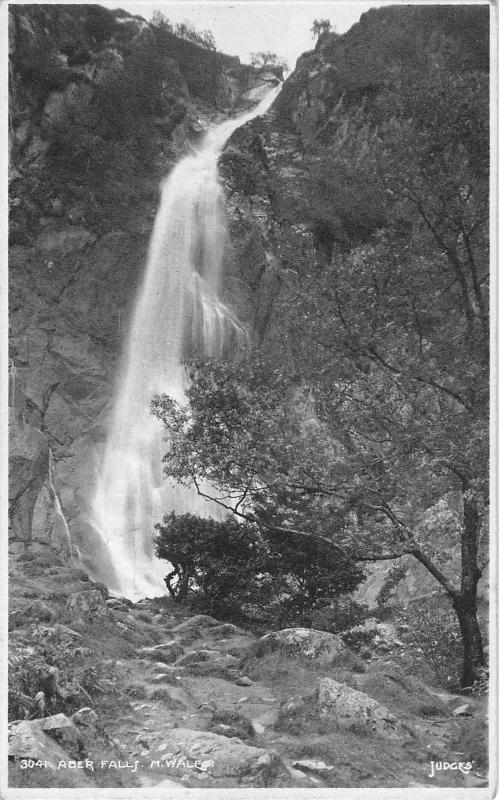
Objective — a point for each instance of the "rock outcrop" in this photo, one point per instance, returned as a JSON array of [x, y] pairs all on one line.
[[305, 643], [83, 189]]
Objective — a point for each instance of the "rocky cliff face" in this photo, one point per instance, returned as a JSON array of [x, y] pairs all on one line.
[[280, 221], [85, 170], [83, 194], [84, 177]]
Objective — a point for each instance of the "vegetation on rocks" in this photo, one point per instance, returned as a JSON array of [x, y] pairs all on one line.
[[351, 434], [345, 429]]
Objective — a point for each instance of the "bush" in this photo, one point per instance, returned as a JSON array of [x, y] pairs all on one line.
[[340, 615], [430, 630], [50, 663], [231, 571], [359, 640]]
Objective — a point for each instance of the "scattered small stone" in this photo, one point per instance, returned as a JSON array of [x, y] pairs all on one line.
[[231, 731], [85, 716], [309, 765], [207, 707], [462, 711], [244, 681], [258, 728]]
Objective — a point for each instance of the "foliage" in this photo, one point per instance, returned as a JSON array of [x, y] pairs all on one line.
[[320, 26], [267, 58], [348, 430], [46, 666], [393, 578], [161, 21], [185, 30], [49, 674], [431, 633], [234, 571], [100, 23], [340, 615], [359, 640]]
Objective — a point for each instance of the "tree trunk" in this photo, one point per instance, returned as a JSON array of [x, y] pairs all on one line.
[[473, 655], [466, 603]]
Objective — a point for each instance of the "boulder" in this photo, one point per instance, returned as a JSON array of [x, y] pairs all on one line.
[[221, 757], [234, 719], [197, 656], [165, 653], [309, 765], [85, 607], [27, 739], [319, 646], [226, 630], [231, 731], [350, 708], [197, 621], [244, 681], [194, 627], [462, 711], [85, 716], [266, 720], [64, 731], [163, 677]]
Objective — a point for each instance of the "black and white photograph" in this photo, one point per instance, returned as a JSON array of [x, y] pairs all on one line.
[[248, 380]]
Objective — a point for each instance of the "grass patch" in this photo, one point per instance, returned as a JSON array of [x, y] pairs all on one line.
[[403, 695], [287, 676], [472, 739], [137, 691]]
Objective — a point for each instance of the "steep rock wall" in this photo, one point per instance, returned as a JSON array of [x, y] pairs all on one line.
[[271, 167], [82, 203]]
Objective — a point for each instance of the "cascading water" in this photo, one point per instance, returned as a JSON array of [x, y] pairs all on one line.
[[177, 311]]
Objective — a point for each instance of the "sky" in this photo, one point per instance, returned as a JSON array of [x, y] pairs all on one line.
[[250, 26]]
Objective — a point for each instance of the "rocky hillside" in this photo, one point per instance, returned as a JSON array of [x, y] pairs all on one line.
[[302, 182], [107, 693], [102, 105]]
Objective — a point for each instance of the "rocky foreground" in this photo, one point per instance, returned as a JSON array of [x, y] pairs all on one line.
[[110, 693]]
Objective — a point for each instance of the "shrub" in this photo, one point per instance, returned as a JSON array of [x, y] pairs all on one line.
[[359, 639], [430, 630], [230, 570], [340, 615]]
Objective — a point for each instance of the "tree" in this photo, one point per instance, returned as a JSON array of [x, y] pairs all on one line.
[[377, 411], [161, 21], [233, 570], [185, 30], [320, 26], [262, 59]]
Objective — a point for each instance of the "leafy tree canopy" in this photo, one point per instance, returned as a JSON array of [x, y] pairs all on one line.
[[365, 409], [321, 26], [267, 58]]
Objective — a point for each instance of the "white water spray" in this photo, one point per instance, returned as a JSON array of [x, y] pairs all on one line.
[[177, 312]]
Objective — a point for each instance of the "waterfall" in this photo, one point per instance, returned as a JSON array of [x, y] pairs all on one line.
[[70, 548], [177, 312]]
